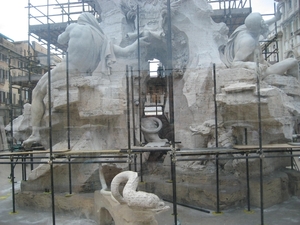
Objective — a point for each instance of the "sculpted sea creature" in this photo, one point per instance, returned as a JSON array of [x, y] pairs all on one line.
[[132, 197]]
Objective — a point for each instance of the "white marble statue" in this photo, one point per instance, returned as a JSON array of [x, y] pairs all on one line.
[[150, 127], [130, 195], [132, 207], [87, 47], [243, 47]]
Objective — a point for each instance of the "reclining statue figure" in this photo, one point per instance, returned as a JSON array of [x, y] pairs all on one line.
[[87, 47], [243, 47]]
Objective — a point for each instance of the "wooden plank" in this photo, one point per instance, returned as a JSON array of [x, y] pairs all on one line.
[[33, 152], [267, 147], [91, 152]]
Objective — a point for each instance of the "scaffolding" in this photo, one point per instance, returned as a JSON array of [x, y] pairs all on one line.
[[233, 13], [230, 12], [47, 21], [270, 46], [55, 16]]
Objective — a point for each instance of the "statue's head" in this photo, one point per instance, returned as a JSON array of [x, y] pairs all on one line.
[[87, 18], [255, 22]]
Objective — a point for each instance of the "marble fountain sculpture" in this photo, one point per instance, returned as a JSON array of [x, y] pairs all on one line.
[[97, 89], [131, 207]]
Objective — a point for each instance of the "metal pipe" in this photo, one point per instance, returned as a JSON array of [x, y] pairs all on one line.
[[68, 100], [66, 162], [24, 175], [132, 108], [139, 70], [90, 162], [215, 103], [171, 105], [28, 50], [189, 206], [31, 160], [68, 119], [70, 175], [155, 105], [217, 184], [140, 92], [10, 105], [128, 117], [16, 163], [177, 159], [261, 153], [248, 183], [141, 167], [292, 159], [12, 178], [50, 118], [173, 178], [68, 108], [97, 157], [134, 162]]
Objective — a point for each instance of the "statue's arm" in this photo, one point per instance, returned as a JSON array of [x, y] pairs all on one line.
[[64, 37], [277, 15], [119, 51]]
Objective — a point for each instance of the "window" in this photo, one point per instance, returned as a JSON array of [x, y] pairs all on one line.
[[2, 97], [14, 99], [156, 69], [3, 57], [2, 75], [154, 65]]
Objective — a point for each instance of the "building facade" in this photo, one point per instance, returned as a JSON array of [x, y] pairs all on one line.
[[284, 39], [21, 66]]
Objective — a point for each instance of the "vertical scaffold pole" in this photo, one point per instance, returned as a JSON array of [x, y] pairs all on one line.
[[133, 116], [132, 107], [248, 183], [68, 109], [68, 121], [217, 141], [50, 118], [261, 153], [140, 92], [128, 117], [215, 104], [12, 172], [171, 105]]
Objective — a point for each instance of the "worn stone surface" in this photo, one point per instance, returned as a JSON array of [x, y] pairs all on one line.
[[79, 204], [198, 187], [108, 209], [275, 189], [294, 182]]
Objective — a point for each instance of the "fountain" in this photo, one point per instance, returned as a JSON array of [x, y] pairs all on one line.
[[101, 122]]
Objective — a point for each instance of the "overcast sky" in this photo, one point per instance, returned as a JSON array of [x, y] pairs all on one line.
[[14, 16]]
